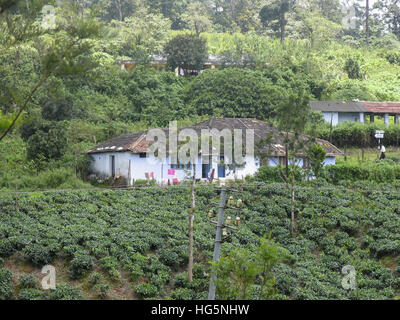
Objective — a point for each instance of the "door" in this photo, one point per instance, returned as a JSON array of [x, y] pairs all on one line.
[[221, 168], [112, 161]]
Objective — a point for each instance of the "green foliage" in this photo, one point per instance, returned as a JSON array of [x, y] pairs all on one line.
[[233, 93], [352, 68], [30, 294], [64, 292], [81, 264], [187, 52], [48, 142], [6, 287], [133, 232], [102, 289], [146, 290], [316, 154], [27, 282], [380, 172], [239, 270]]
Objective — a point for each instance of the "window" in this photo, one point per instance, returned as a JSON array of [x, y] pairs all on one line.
[[181, 166], [112, 162], [142, 155]]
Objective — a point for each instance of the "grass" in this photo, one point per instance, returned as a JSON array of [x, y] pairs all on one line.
[[354, 155]]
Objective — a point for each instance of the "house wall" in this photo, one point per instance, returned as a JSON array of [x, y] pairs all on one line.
[[331, 115], [138, 167], [329, 161], [349, 116], [338, 117]]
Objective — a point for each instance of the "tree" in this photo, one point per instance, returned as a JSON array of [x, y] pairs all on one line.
[[316, 155], [273, 16], [390, 15], [233, 92], [48, 142], [140, 35], [292, 116], [247, 274], [196, 17], [186, 52], [352, 68], [58, 56]]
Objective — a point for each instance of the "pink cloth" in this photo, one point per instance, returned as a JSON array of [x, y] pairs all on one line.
[[171, 172], [175, 181], [152, 175]]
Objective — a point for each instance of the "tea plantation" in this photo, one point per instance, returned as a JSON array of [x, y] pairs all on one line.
[[132, 244]]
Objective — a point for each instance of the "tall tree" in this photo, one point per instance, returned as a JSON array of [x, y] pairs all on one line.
[[367, 22], [390, 15], [57, 57], [273, 15], [186, 52], [196, 17]]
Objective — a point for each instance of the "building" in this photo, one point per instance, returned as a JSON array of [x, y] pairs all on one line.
[[159, 62], [338, 111], [127, 156]]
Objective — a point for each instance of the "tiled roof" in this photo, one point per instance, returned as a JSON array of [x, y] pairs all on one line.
[[136, 142], [338, 106], [356, 106], [382, 107]]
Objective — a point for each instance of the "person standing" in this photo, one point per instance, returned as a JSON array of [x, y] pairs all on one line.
[[383, 150]]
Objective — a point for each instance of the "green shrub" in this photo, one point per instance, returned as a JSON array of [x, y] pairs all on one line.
[[95, 278], [30, 294], [64, 292], [102, 290], [110, 264], [183, 294], [27, 282], [6, 289], [147, 290], [80, 265]]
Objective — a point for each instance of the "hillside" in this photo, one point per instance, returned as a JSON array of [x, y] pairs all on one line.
[[133, 243]]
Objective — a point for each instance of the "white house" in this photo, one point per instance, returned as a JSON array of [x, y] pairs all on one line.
[[128, 156], [336, 112]]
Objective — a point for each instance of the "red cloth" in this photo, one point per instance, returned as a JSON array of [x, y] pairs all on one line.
[[175, 181]]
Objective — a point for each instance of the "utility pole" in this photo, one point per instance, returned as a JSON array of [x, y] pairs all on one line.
[[218, 241]]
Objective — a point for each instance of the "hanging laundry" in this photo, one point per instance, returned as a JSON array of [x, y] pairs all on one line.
[[175, 181], [171, 172], [152, 175]]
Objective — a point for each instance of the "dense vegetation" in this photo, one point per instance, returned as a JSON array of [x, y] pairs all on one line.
[[138, 238], [62, 91], [67, 93]]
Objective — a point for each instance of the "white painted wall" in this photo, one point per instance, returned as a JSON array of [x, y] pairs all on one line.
[[101, 165], [333, 115], [349, 116]]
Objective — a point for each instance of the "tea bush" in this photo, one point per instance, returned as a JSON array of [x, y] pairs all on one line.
[[142, 235]]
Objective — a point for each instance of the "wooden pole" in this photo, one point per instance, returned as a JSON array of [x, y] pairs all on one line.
[[191, 220], [218, 241]]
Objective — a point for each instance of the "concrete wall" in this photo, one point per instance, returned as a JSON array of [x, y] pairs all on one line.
[[349, 116], [331, 115], [133, 167]]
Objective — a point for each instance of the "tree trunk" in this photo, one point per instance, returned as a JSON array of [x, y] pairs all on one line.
[[191, 220], [367, 23], [119, 9], [292, 211], [282, 28]]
